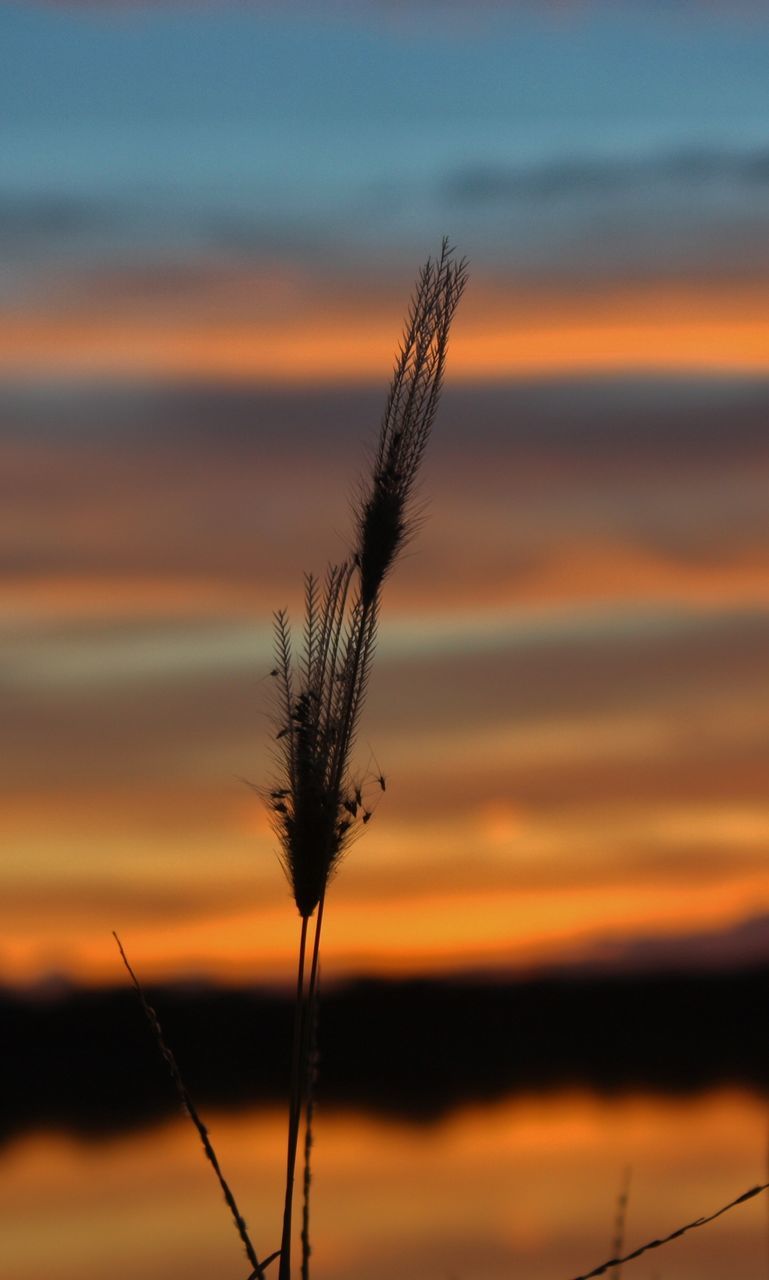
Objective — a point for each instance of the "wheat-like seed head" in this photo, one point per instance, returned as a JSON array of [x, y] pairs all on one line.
[[316, 806]]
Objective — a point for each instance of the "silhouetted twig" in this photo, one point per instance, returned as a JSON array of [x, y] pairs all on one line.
[[312, 1079], [766, 1166], [618, 1243], [674, 1235], [297, 1089], [272, 1257], [192, 1112]]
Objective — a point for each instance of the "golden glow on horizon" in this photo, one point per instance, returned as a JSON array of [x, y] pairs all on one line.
[[456, 871], [708, 331], [434, 932]]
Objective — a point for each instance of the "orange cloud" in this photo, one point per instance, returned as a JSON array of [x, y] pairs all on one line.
[[500, 335], [444, 928]]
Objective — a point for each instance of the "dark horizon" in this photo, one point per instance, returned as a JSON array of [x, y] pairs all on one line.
[[85, 1062]]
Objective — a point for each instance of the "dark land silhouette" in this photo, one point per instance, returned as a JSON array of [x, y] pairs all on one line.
[[85, 1061]]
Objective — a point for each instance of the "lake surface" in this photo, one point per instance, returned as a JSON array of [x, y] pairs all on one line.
[[524, 1187]]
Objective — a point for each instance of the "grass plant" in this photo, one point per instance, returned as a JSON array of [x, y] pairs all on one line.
[[317, 804]]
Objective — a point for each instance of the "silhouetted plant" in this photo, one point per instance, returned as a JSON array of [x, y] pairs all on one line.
[[316, 803]]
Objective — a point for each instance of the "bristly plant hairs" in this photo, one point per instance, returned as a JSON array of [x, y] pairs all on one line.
[[316, 804]]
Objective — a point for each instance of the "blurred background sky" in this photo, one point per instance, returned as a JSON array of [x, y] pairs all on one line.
[[210, 220]]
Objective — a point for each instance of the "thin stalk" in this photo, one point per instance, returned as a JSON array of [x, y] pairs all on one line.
[[674, 1235], [307, 1178], [767, 1170], [192, 1111], [314, 965], [295, 1106], [618, 1243], [311, 1023]]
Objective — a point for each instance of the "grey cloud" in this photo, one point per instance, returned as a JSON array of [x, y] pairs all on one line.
[[568, 178], [154, 240], [28, 220]]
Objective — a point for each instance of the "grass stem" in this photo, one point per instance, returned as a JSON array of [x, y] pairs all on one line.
[[310, 1068], [674, 1235], [295, 1106], [192, 1112], [312, 1074], [618, 1243]]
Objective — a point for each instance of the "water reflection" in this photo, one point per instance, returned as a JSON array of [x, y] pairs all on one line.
[[522, 1188]]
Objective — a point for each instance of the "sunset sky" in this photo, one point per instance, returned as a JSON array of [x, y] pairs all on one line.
[[211, 216]]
